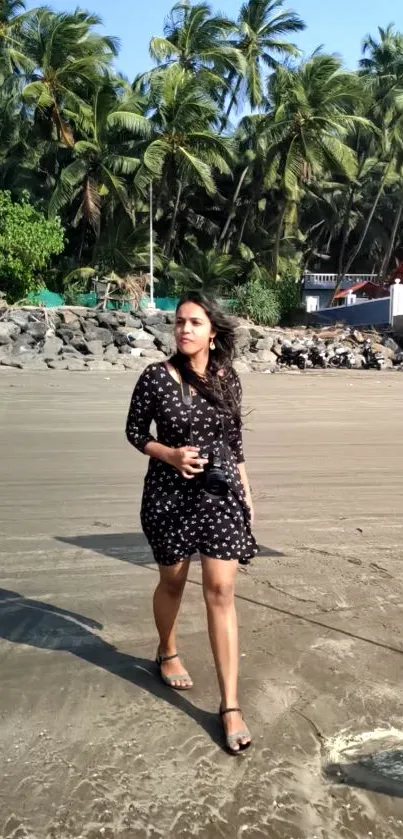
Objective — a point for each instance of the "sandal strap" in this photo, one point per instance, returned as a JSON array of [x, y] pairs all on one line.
[[161, 659], [224, 711]]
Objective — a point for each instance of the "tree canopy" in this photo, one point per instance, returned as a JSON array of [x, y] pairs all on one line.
[[263, 163]]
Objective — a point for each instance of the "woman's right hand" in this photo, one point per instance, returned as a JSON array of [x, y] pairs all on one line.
[[187, 461]]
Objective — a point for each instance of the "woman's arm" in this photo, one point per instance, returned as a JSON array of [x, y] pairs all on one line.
[[245, 481], [142, 412]]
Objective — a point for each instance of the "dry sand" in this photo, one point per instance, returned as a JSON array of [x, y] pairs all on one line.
[[91, 744]]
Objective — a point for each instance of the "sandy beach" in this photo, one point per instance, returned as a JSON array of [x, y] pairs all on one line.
[[92, 745]]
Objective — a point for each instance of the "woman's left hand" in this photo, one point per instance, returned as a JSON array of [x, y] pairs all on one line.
[[249, 503]]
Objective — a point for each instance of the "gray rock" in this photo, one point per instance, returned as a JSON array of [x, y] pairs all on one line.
[[358, 336], [58, 364], [119, 368], [167, 345], [159, 331], [107, 319], [242, 339], [136, 364], [8, 331], [142, 344], [70, 352], [256, 333], [65, 333], [95, 348], [264, 367], [386, 351], [38, 330], [135, 352], [51, 348], [23, 343], [267, 356], [391, 344], [265, 343], [76, 364], [33, 363], [156, 319], [111, 354], [98, 333], [11, 361], [124, 349], [70, 318], [153, 355], [241, 366], [79, 343], [19, 317], [98, 364], [359, 361]]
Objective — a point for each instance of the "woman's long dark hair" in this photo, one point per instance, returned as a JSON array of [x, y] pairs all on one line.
[[218, 389]]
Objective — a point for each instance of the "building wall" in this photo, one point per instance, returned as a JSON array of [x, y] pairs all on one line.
[[365, 313]]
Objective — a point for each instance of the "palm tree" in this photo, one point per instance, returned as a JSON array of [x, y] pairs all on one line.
[[12, 53], [68, 59], [185, 148], [197, 41], [262, 25], [311, 110], [207, 270], [103, 159]]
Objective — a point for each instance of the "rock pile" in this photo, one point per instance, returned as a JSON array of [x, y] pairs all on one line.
[[85, 339]]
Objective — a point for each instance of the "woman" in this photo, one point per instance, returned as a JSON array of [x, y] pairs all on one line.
[[195, 400]]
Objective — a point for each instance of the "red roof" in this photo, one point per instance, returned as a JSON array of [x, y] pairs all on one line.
[[373, 288]]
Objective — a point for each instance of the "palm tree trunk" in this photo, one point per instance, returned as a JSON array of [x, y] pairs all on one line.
[[232, 102], [276, 252], [345, 232], [388, 255], [363, 236], [233, 203], [172, 229]]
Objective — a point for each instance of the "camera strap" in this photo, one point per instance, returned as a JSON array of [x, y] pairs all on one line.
[[187, 400]]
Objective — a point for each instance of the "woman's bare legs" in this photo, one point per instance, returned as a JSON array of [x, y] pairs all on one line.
[[219, 595], [167, 601]]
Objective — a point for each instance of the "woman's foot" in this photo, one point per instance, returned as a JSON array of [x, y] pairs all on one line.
[[173, 673], [237, 734]]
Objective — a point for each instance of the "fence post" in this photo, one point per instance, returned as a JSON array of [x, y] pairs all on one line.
[[396, 301]]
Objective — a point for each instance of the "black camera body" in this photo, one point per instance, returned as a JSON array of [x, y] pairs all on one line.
[[215, 481]]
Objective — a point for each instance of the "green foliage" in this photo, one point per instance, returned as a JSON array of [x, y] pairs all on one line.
[[312, 178], [259, 302], [27, 243]]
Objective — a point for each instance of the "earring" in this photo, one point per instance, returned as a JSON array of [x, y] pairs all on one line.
[[212, 344]]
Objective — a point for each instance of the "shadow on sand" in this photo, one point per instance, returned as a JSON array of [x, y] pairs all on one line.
[[44, 626], [378, 772]]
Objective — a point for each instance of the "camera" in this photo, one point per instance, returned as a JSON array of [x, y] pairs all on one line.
[[215, 482]]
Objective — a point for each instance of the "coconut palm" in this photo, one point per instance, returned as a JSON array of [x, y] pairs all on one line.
[[261, 25], [197, 41], [206, 270], [13, 58], [103, 159], [68, 59], [185, 148], [310, 111]]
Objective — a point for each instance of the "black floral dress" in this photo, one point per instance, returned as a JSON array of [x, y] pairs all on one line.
[[177, 516]]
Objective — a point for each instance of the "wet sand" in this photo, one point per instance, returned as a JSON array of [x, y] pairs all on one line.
[[91, 744]]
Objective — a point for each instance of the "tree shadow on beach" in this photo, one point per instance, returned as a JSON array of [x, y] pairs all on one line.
[[48, 627]]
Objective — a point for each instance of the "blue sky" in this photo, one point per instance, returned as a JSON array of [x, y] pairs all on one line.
[[339, 25]]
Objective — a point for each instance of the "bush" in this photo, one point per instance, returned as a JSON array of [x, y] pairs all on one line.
[[289, 297], [27, 242], [259, 302]]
